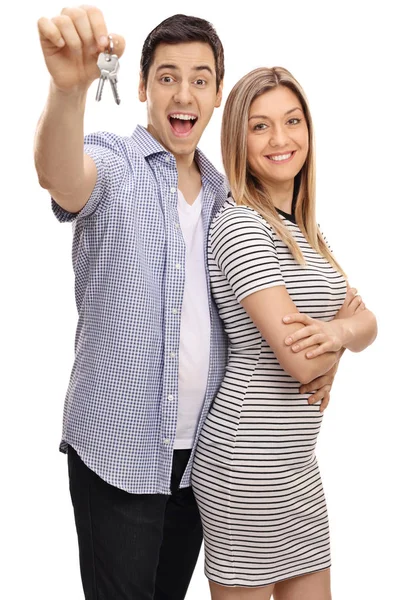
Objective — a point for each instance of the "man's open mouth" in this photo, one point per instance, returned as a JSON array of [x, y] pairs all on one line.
[[182, 123]]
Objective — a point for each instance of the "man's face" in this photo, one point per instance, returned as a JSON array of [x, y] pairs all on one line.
[[181, 95]]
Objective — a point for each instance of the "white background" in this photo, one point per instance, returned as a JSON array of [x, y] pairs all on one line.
[[345, 55]]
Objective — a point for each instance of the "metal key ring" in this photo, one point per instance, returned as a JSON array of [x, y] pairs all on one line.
[[110, 45]]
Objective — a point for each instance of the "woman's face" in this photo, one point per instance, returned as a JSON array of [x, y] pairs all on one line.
[[277, 138]]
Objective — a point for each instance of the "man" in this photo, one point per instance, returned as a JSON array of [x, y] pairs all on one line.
[[148, 332]]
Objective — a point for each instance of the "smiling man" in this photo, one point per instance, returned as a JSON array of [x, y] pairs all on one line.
[[150, 348]]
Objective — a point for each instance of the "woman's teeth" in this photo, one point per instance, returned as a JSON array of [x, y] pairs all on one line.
[[279, 157]]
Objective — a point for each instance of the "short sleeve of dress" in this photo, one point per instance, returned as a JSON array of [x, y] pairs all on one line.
[[242, 246], [111, 165]]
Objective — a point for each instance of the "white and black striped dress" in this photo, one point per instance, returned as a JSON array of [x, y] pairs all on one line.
[[255, 475]]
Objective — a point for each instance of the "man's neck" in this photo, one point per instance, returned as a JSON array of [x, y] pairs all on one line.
[[189, 178]]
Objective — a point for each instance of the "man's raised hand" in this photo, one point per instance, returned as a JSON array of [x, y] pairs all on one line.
[[71, 43]]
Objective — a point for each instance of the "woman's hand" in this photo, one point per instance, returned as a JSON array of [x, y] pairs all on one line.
[[320, 388], [326, 335], [353, 304]]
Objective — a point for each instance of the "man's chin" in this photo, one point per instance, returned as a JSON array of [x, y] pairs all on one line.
[[183, 146]]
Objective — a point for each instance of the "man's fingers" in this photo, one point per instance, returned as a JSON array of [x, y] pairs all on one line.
[[80, 21], [119, 44], [100, 31], [98, 25], [68, 32], [49, 32]]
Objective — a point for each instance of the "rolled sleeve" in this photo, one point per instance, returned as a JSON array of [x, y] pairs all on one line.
[[110, 165]]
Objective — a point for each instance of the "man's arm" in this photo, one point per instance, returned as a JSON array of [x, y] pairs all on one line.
[[62, 167], [70, 43]]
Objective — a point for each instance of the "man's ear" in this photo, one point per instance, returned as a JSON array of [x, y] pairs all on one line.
[[142, 89], [219, 95]]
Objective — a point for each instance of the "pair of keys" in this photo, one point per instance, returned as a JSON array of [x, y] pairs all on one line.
[[108, 64]]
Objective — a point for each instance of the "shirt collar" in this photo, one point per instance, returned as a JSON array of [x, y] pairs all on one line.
[[148, 146]]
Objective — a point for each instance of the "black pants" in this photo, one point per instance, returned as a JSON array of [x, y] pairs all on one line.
[[134, 546]]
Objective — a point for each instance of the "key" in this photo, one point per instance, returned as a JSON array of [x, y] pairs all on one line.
[[108, 64], [112, 78]]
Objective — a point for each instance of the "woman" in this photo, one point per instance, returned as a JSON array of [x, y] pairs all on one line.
[[255, 474]]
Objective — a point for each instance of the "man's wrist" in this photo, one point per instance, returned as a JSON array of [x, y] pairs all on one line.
[[76, 96]]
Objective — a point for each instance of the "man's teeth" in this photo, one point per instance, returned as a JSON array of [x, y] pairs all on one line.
[[280, 157], [183, 117]]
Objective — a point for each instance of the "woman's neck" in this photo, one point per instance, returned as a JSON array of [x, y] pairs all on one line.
[[282, 195]]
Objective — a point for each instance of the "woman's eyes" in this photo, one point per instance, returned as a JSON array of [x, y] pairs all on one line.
[[264, 126]]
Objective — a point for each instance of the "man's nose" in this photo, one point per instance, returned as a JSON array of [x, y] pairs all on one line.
[[183, 94]]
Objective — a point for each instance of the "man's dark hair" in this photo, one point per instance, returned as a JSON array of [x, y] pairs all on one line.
[[177, 30]]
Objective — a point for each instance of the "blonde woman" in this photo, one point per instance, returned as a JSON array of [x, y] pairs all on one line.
[[289, 315]]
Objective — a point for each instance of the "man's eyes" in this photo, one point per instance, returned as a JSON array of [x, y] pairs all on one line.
[[197, 82]]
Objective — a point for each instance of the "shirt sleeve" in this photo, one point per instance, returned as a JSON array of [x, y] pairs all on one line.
[[244, 251], [103, 148]]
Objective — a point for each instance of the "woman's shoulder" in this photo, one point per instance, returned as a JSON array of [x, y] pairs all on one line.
[[232, 214]]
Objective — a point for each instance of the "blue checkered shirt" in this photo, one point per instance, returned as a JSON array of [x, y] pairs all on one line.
[[128, 253]]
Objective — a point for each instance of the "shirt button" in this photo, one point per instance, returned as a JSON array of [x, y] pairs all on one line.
[[172, 354], [170, 397], [173, 190], [177, 225], [167, 158], [178, 266], [174, 311], [167, 441]]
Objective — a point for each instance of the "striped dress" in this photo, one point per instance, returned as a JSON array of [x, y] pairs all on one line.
[[255, 475]]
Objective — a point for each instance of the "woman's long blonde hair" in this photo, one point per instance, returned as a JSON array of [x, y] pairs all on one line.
[[246, 188]]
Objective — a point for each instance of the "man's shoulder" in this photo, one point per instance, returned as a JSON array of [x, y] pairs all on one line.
[[120, 145]]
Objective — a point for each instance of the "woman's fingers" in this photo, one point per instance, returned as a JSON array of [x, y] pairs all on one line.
[[297, 318], [300, 334], [322, 395], [325, 402]]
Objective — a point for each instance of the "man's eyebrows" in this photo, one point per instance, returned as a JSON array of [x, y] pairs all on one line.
[[172, 67], [204, 68]]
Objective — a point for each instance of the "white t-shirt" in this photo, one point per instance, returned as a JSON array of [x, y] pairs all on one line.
[[194, 348]]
